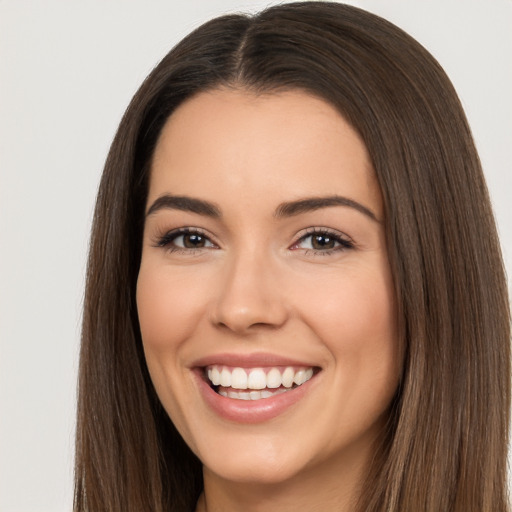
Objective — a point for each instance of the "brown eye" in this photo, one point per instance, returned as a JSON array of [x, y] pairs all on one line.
[[193, 241], [185, 239], [322, 242]]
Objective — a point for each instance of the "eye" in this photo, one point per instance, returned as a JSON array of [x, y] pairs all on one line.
[[185, 239], [192, 241], [323, 241]]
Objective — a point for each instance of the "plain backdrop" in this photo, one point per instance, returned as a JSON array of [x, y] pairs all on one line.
[[67, 72]]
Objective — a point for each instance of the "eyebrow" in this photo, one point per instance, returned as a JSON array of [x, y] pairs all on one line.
[[186, 204], [287, 209], [292, 208]]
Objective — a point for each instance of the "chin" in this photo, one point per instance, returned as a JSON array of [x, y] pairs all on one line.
[[255, 470], [252, 456]]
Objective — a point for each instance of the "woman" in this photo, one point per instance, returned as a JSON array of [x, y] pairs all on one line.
[[295, 294]]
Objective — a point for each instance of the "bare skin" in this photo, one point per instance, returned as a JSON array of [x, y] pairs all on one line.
[[264, 241]]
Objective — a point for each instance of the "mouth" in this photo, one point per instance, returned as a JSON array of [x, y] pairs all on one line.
[[254, 388], [256, 383]]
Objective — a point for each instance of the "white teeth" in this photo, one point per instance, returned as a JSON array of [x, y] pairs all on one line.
[[225, 378], [257, 379], [239, 379], [251, 395], [273, 378], [214, 375], [299, 377], [287, 377], [303, 376]]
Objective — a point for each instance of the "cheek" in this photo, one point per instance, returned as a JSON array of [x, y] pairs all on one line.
[[168, 306], [356, 320], [358, 327], [356, 310]]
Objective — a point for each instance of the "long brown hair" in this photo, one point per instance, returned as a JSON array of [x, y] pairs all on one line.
[[446, 442]]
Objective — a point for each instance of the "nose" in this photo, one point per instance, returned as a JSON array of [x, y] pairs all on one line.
[[251, 296]]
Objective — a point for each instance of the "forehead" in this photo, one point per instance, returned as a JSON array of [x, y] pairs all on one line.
[[249, 144]]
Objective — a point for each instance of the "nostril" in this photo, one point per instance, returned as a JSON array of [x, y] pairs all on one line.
[[248, 304]]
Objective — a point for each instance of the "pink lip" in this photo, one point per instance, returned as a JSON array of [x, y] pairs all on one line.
[[256, 360], [249, 411]]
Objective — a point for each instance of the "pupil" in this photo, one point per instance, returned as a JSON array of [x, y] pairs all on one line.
[[323, 242], [192, 241]]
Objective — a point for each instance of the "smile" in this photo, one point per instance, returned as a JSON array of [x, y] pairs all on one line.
[[261, 383], [253, 388]]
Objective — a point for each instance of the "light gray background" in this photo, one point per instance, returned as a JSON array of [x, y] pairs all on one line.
[[67, 72]]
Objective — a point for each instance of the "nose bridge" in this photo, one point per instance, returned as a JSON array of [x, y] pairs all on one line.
[[249, 294]]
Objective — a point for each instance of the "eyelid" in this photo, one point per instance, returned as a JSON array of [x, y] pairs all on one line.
[[343, 239], [166, 237]]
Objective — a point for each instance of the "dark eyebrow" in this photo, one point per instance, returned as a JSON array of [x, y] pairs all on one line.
[[186, 204], [288, 209], [291, 208]]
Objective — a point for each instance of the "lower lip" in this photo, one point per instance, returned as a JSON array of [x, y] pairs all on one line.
[[251, 411]]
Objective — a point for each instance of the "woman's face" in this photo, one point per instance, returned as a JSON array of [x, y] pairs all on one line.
[[264, 262]]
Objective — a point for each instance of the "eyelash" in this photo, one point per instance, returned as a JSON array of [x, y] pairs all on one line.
[[167, 240], [342, 241]]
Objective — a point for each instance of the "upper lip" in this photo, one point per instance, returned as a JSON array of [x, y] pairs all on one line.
[[253, 360]]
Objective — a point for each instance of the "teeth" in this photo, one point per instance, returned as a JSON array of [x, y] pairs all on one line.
[[239, 379], [287, 378], [225, 378], [256, 379], [303, 376], [251, 395], [273, 378], [214, 375]]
